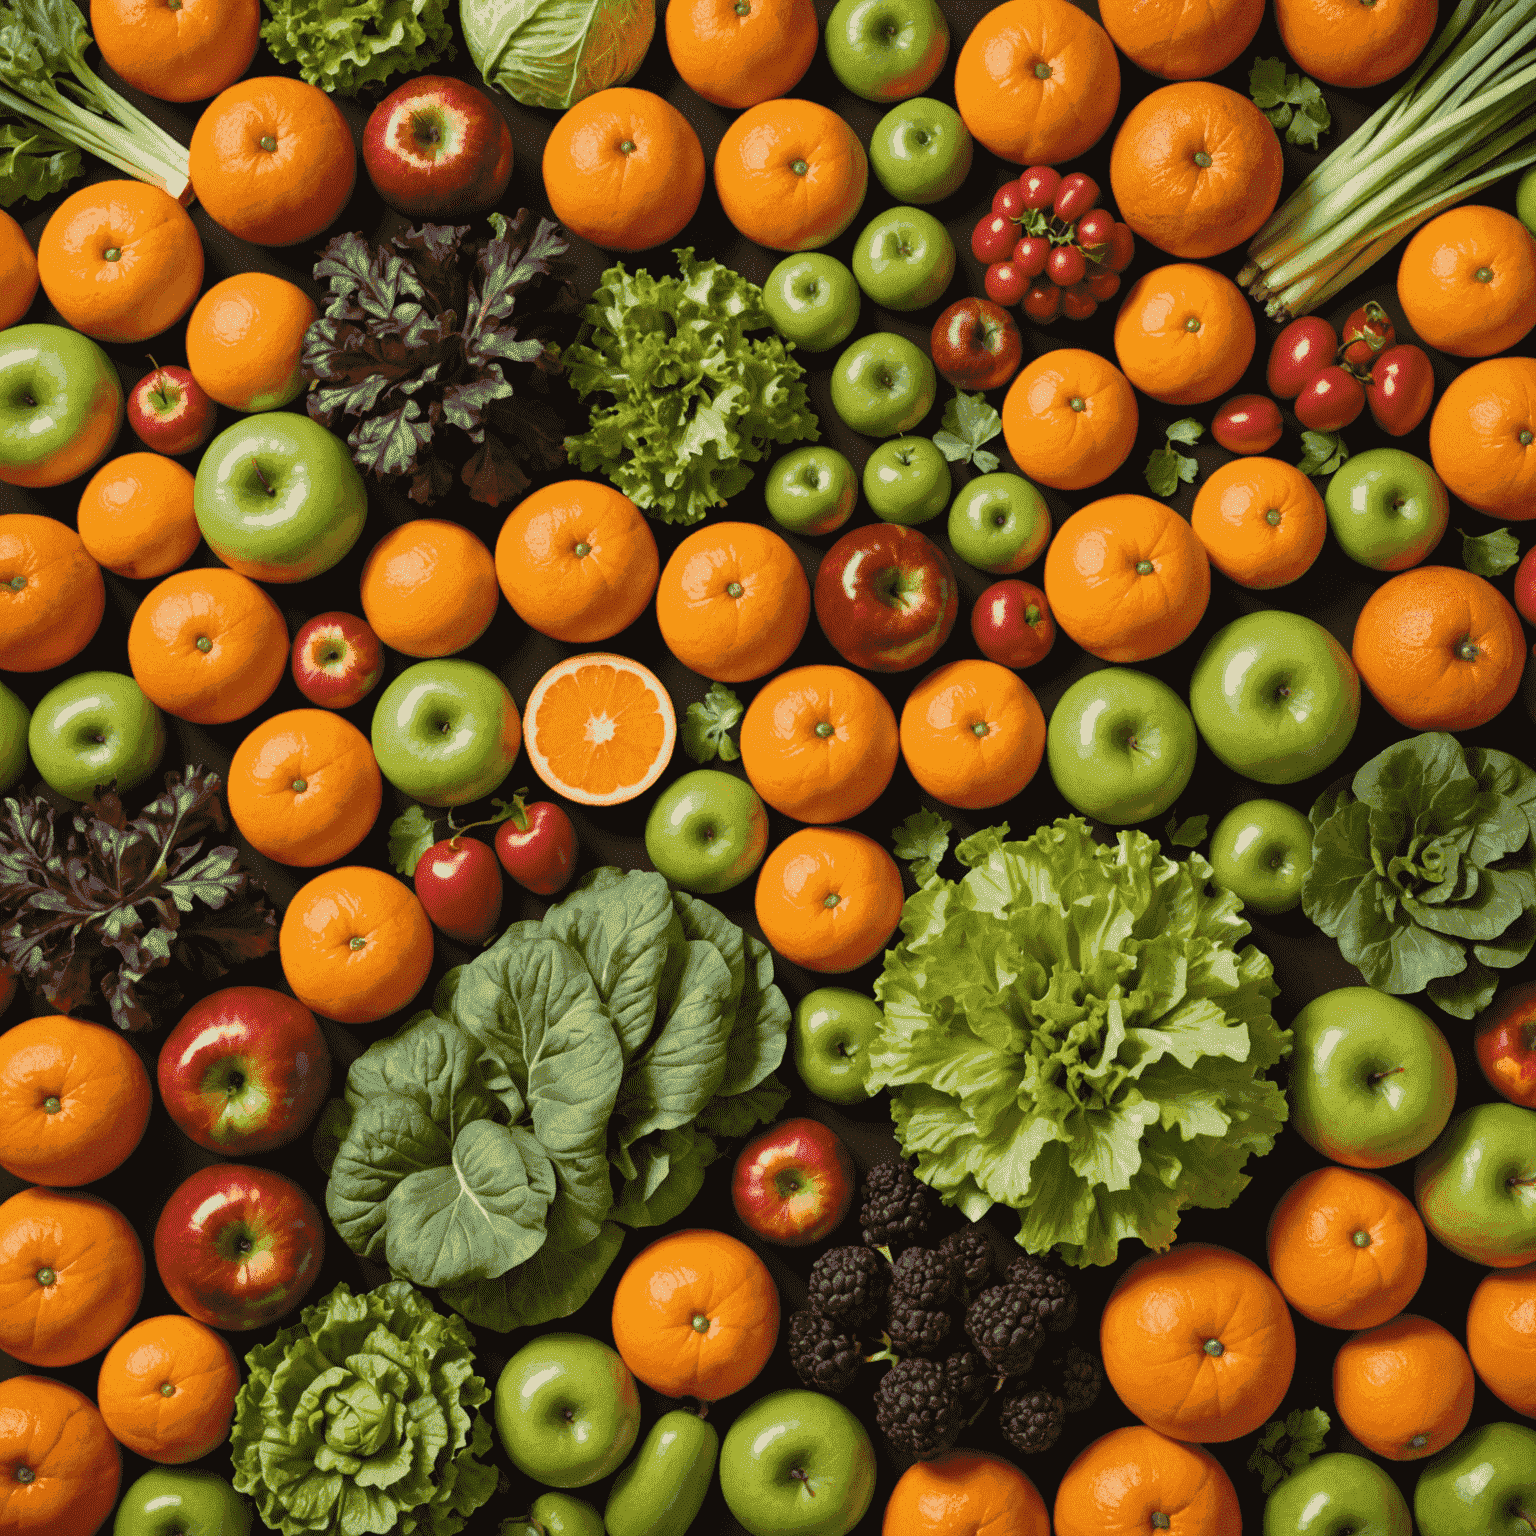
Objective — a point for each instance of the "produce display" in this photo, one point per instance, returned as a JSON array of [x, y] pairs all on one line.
[[767, 769]]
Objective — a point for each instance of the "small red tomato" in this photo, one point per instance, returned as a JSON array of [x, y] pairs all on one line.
[[1248, 424], [1039, 184], [1012, 624], [1067, 266], [1367, 334], [1525, 586], [1104, 286], [1031, 254], [1301, 352], [1095, 228], [1004, 283], [993, 237], [541, 855], [1401, 390], [1331, 400], [460, 886], [1122, 249], [1074, 197], [1043, 302], [1009, 199], [1077, 303]]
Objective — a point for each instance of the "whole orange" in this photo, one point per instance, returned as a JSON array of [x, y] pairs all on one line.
[[1180, 41], [737, 53], [965, 1493], [135, 516], [1184, 334], [167, 1389], [1482, 437], [245, 338], [429, 588], [184, 52], [1134, 1481], [74, 1465], [18, 272], [52, 596], [1069, 419], [1347, 42], [1501, 1336], [1467, 281], [1404, 1389], [1261, 520]]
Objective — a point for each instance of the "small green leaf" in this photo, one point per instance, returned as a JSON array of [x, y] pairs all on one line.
[[953, 448], [985, 461], [1283, 1448], [968, 423], [1162, 473], [1322, 453], [922, 841], [707, 726], [1292, 102], [1489, 554], [1186, 431], [1189, 833], [1266, 83], [410, 835]]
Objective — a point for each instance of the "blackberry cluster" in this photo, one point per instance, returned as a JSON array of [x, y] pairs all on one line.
[[970, 1247], [850, 1284], [1005, 1328], [1081, 1376], [1032, 1421], [1049, 1291], [897, 1209], [917, 1409], [823, 1355]]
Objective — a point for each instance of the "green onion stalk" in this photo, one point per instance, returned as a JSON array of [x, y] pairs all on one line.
[[1464, 119]]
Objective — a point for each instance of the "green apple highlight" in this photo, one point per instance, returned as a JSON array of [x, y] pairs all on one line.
[[834, 1029], [1261, 852], [921, 151], [95, 729], [812, 300], [811, 490], [707, 832]]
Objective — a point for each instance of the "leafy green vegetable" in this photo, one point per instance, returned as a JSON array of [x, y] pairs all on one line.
[[1287, 1447], [34, 162], [1167, 468], [362, 1418], [696, 401], [554, 53], [413, 832], [922, 841], [1071, 1031], [968, 423], [345, 45], [1424, 870], [1189, 833], [1322, 452], [707, 726], [1292, 102], [1490, 554]]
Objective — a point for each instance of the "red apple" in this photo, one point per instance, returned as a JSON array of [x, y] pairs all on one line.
[[245, 1070], [459, 883], [537, 847], [976, 345], [238, 1247], [794, 1183], [1505, 1042], [1012, 624], [170, 412], [1525, 586], [337, 660], [438, 148], [886, 597]]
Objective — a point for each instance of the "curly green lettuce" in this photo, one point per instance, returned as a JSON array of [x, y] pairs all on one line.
[[344, 45], [1071, 1031]]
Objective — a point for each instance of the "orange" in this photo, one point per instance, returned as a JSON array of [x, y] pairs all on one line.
[[208, 646], [167, 1389], [1439, 648], [737, 53], [791, 174], [1467, 281], [1195, 169], [52, 596], [1180, 41], [972, 734], [1346, 1249], [120, 260], [73, 1464], [304, 787], [272, 160], [1262, 522], [1184, 334], [1501, 1336], [74, 1100], [1127, 578], [599, 728], [1069, 419], [696, 1315], [186, 52], [623, 169], [1349, 42], [1037, 81], [1404, 1390], [733, 602], [135, 516], [71, 1275], [356, 945], [828, 899], [18, 272], [965, 1493], [577, 561], [1134, 1481], [1198, 1343], [245, 338], [1482, 437], [429, 588]]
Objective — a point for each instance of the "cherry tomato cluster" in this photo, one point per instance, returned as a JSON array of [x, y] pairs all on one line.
[[1049, 246]]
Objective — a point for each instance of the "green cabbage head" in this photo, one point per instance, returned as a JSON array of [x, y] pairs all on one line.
[[551, 53], [360, 1420]]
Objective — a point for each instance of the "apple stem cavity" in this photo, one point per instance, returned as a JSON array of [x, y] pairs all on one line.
[[1375, 1077]]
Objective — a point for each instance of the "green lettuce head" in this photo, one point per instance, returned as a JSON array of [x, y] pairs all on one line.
[[552, 53], [361, 1420]]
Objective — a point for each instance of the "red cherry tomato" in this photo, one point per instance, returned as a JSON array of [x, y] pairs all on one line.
[[1525, 586], [1004, 283], [1301, 352], [1331, 400], [541, 857], [1103, 285], [1012, 624], [1067, 266], [1009, 199], [1248, 424], [1122, 249], [1077, 303], [1031, 254], [993, 237], [1074, 197], [1367, 334], [1401, 390], [460, 886], [1039, 184], [1043, 302], [1094, 230]]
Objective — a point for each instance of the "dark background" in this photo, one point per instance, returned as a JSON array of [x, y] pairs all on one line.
[[1332, 592]]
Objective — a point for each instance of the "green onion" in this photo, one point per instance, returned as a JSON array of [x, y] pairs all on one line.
[[1464, 119]]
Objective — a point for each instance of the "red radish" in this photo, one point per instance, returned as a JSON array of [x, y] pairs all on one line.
[[1401, 390], [1039, 184], [537, 847], [1004, 283], [1301, 352], [1043, 302], [1331, 400], [993, 237], [1248, 424], [459, 883]]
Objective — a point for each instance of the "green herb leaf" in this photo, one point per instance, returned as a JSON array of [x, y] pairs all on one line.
[[1189, 833], [344, 45], [1267, 84], [1489, 554], [1167, 468], [1283, 1448], [1292, 102], [1322, 453], [411, 833], [969, 421], [707, 726], [1186, 431], [922, 840]]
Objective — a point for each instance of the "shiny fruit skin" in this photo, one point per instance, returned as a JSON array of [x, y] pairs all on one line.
[[1031, 254], [460, 886], [1248, 424], [975, 344], [1074, 197], [1367, 334], [192, 415], [1505, 1044], [1012, 625], [1103, 285], [993, 237], [1008, 200], [1042, 303], [1039, 185], [1095, 229], [1005, 283], [1401, 390], [794, 1183], [1331, 400], [1066, 266], [1078, 303], [1301, 352], [1525, 586], [541, 857], [1122, 249]]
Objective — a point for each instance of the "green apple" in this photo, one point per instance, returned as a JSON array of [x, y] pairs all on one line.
[[1476, 1187], [906, 480], [707, 832], [883, 385], [14, 719], [1387, 509], [61, 404], [904, 258], [921, 150], [182, 1501], [811, 490], [797, 1463], [278, 498], [567, 1410], [999, 523], [556, 1514], [886, 50], [1121, 745], [1261, 852], [446, 732], [812, 300], [1275, 696], [1481, 1484], [834, 1029], [1372, 1078], [1337, 1495], [1525, 199], [662, 1490], [93, 729]]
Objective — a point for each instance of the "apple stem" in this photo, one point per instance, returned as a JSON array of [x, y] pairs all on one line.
[[801, 1476], [266, 484], [1376, 1077], [158, 396], [701, 1408]]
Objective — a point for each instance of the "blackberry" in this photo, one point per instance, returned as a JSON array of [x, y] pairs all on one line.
[[927, 1278], [916, 1330], [1082, 1376], [970, 1246], [849, 1284], [1050, 1292], [822, 1354], [916, 1408], [968, 1376], [1032, 1422], [897, 1209], [1005, 1328]]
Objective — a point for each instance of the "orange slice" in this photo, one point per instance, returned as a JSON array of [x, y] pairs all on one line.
[[599, 728]]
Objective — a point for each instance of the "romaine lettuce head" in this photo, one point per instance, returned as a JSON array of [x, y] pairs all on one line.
[[552, 53]]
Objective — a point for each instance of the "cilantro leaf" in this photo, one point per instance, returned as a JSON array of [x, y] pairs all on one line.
[[1322, 453], [411, 833], [969, 421], [1189, 833], [1167, 468], [922, 841], [707, 725], [1293, 103], [1283, 1448], [1489, 554]]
